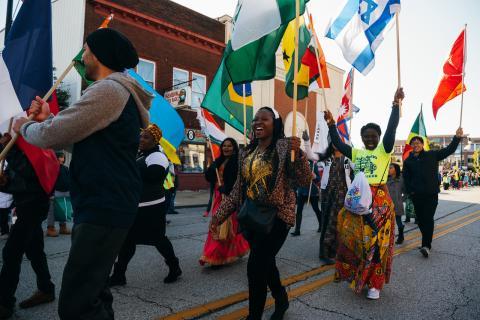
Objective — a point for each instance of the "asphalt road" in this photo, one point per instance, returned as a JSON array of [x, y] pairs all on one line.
[[444, 286]]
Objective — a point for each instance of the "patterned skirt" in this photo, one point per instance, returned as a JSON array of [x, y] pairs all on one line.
[[365, 249], [233, 246]]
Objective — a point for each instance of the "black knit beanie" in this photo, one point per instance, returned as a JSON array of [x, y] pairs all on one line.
[[112, 49]]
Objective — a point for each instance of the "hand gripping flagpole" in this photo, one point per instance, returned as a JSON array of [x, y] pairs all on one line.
[[295, 75], [10, 144], [399, 75], [463, 71]]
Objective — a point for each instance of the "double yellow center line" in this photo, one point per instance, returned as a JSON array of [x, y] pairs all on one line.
[[228, 301]]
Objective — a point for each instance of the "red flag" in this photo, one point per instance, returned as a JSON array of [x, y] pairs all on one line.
[[345, 111], [44, 161], [451, 84], [309, 59]]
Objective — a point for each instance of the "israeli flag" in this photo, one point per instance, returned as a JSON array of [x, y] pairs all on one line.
[[359, 28]]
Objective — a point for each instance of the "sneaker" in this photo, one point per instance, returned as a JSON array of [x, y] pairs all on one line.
[[174, 271], [326, 261], [51, 232], [36, 299], [5, 312], [425, 251], [64, 229], [373, 294], [205, 214], [295, 233]]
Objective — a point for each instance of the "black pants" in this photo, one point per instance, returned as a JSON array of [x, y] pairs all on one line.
[[85, 293], [425, 206], [4, 213], [301, 200], [26, 237], [262, 269], [150, 229], [399, 223]]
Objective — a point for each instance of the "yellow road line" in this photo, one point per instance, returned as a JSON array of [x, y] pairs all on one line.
[[317, 284], [242, 296]]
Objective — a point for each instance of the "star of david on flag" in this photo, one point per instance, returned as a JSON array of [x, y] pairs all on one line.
[[359, 28]]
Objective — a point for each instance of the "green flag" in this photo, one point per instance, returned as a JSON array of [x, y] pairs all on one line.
[[257, 32]]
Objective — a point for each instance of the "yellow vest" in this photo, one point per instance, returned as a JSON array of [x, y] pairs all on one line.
[[168, 184]]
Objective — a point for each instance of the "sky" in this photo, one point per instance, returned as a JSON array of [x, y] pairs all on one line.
[[428, 29]]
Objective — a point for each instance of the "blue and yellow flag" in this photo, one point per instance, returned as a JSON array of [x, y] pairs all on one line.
[[166, 118]]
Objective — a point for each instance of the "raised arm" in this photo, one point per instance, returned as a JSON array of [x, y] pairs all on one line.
[[308, 149], [450, 149], [344, 148], [389, 137]]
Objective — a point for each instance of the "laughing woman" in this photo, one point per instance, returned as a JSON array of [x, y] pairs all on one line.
[[266, 184], [226, 247], [365, 243]]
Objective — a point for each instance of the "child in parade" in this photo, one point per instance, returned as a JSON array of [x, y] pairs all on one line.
[[396, 188]]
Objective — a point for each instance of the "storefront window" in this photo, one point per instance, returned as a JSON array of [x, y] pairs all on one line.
[[192, 157]]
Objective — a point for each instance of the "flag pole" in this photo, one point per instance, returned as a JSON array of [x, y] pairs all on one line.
[[351, 107], [244, 116], [463, 71], [399, 75], [295, 75], [209, 142], [10, 144], [2, 163]]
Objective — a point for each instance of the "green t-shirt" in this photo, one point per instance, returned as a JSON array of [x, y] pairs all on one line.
[[374, 163]]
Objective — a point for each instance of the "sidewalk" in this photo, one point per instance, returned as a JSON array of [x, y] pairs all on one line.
[[191, 199]]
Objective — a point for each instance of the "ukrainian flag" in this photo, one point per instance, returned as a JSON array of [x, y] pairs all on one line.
[[166, 118]]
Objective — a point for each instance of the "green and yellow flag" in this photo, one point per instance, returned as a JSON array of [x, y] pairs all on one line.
[[289, 54], [418, 129]]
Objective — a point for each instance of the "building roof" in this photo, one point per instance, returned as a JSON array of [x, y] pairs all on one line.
[[178, 15]]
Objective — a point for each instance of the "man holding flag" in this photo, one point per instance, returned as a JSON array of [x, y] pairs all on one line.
[[105, 188]]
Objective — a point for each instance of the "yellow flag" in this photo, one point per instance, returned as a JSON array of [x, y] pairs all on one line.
[[288, 46]]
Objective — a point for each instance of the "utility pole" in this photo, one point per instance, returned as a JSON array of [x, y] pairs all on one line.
[[8, 21]]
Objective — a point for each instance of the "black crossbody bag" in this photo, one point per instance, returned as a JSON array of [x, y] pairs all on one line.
[[254, 216]]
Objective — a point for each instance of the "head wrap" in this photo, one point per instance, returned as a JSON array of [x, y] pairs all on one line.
[[155, 131], [112, 49]]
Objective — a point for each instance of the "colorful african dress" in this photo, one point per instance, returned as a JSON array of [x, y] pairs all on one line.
[[227, 245], [332, 201], [365, 243]]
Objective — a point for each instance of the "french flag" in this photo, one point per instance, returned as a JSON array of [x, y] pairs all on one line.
[[25, 72]]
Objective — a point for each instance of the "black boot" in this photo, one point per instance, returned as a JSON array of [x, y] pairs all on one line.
[[281, 305], [174, 271], [117, 278], [400, 237], [324, 257]]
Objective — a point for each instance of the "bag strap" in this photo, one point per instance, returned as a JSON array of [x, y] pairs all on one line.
[[376, 192]]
